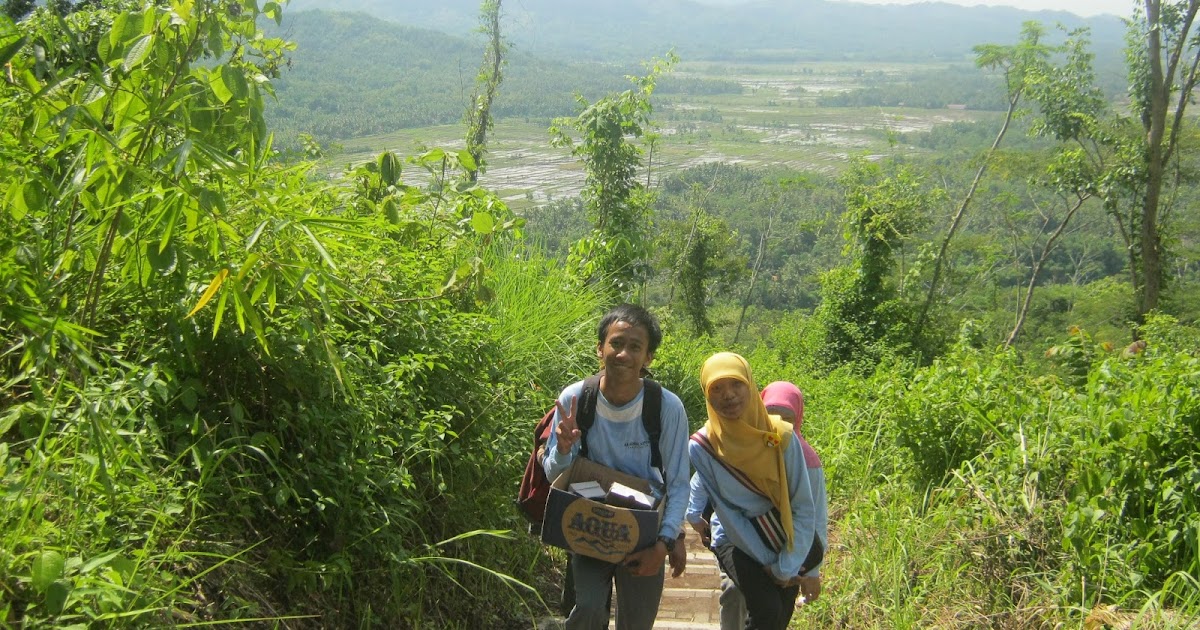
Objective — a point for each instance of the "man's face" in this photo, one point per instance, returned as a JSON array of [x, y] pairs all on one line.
[[625, 351]]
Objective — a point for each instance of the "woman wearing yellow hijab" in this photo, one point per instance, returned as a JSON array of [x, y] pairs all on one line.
[[752, 468]]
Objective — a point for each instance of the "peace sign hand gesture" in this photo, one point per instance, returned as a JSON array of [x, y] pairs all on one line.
[[567, 432]]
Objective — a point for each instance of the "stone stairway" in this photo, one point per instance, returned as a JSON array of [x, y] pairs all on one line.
[[690, 601]]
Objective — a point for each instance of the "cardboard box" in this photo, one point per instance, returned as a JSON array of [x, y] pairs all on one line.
[[592, 528]]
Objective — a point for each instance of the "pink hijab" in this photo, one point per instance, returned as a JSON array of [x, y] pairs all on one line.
[[784, 394]]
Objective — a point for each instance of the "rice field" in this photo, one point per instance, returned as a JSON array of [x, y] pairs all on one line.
[[775, 120]]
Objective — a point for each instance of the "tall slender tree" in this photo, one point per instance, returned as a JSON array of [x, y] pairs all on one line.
[[1164, 65], [487, 84], [617, 202], [1014, 62]]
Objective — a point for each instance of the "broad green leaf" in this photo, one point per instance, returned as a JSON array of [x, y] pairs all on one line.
[[271, 10], [389, 168], [137, 53], [47, 568], [35, 196], [483, 223], [433, 155], [463, 271], [235, 81], [56, 596], [217, 82], [391, 210], [94, 92], [466, 159], [112, 43], [16, 204], [212, 289]]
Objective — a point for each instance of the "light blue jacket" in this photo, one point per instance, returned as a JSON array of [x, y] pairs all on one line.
[[734, 505]]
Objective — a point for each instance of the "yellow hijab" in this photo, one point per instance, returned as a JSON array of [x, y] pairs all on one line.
[[755, 443]]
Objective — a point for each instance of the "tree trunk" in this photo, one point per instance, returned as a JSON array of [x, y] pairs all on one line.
[[1037, 270], [958, 216], [762, 248]]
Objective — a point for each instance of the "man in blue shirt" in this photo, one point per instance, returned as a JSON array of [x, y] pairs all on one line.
[[628, 337]]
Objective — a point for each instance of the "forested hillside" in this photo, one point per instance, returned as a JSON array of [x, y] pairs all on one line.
[[243, 387], [773, 30], [353, 75]]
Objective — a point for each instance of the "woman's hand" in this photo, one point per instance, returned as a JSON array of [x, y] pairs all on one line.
[[810, 589]]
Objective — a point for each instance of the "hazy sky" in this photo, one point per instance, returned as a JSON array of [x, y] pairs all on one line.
[[1087, 8]]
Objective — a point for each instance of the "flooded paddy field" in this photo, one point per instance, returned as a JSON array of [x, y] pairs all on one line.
[[775, 120]]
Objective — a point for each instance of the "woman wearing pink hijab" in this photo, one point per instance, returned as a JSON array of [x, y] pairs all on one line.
[[787, 401]]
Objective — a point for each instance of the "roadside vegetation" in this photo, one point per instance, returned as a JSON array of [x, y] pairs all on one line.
[[293, 385]]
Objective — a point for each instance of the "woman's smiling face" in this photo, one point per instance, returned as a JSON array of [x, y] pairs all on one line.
[[729, 397]]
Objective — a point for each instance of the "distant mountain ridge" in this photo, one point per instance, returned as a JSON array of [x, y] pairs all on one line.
[[621, 30]]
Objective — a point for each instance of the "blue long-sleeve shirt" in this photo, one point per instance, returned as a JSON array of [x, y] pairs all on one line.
[[734, 505], [618, 439]]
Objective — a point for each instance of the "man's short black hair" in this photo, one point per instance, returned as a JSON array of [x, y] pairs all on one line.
[[633, 315]]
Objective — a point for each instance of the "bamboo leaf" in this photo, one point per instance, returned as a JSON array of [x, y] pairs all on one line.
[[172, 219], [253, 319], [320, 248], [212, 289], [9, 50], [254, 235], [181, 156], [220, 313]]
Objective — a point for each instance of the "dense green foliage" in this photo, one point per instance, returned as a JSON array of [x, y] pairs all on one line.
[[227, 381]]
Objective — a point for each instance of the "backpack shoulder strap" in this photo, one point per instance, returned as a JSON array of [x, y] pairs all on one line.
[[652, 420], [699, 437], [586, 411]]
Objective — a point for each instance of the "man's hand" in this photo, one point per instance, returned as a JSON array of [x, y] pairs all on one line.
[[703, 528], [648, 561], [678, 558], [567, 432], [796, 580]]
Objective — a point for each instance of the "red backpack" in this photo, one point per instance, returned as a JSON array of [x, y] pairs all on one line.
[[535, 487]]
